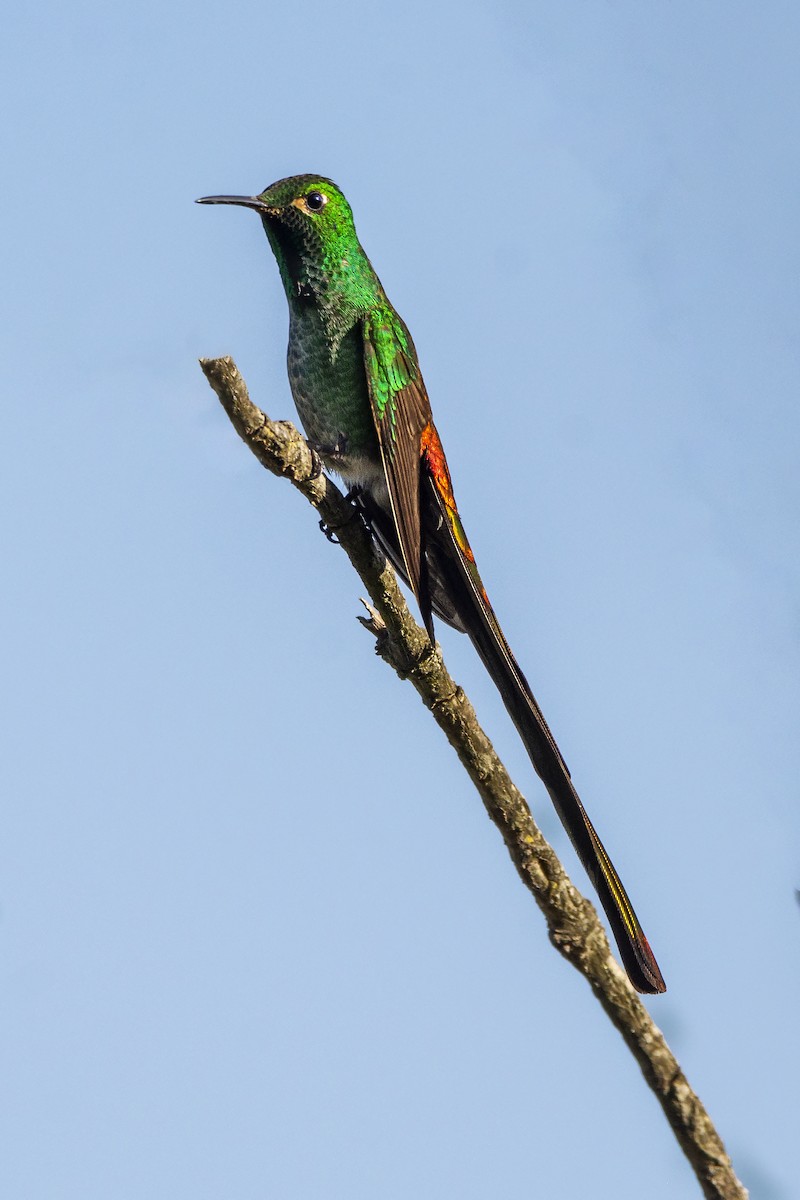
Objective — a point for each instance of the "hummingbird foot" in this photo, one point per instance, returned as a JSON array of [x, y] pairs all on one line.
[[356, 496], [332, 453], [329, 532], [351, 498]]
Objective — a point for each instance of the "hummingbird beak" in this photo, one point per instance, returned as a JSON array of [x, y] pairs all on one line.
[[253, 202]]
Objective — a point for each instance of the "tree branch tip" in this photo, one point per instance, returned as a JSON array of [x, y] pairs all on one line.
[[221, 362]]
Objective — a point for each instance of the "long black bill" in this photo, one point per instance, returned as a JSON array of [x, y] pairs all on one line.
[[242, 201]]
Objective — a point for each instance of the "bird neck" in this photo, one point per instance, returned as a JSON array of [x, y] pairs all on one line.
[[336, 277]]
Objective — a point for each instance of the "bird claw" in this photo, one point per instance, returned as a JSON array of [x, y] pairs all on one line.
[[329, 533], [354, 496], [337, 450], [351, 497]]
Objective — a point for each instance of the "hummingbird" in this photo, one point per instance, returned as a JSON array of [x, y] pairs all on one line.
[[358, 389]]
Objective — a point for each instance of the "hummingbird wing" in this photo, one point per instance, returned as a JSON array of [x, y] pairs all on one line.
[[440, 567], [401, 411]]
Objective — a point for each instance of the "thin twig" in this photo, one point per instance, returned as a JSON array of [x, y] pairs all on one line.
[[572, 922]]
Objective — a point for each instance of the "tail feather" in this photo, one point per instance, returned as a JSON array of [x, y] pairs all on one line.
[[448, 549]]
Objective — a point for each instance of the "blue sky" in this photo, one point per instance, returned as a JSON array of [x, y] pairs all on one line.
[[258, 937]]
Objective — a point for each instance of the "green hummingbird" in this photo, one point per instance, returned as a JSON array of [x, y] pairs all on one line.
[[358, 388]]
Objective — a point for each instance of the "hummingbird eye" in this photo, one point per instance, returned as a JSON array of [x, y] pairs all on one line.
[[315, 201]]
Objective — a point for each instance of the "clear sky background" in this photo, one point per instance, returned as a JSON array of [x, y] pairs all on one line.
[[259, 939]]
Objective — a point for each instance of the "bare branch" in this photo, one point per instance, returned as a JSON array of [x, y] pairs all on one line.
[[572, 922]]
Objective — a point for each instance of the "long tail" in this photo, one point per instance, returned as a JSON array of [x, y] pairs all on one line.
[[447, 546]]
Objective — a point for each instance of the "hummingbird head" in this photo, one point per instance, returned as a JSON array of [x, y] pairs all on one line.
[[310, 228], [308, 202]]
